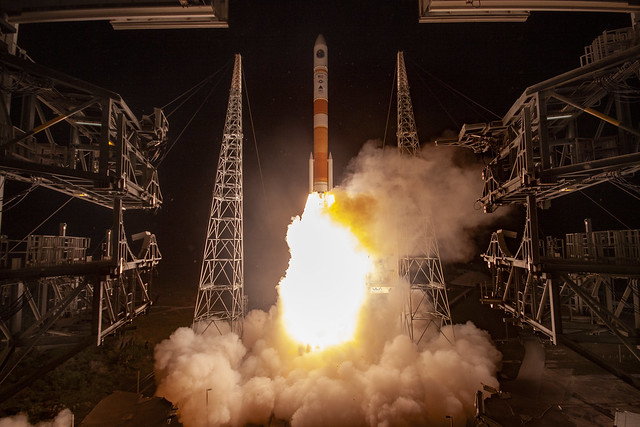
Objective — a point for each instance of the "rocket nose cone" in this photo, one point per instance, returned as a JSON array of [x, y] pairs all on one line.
[[320, 40]]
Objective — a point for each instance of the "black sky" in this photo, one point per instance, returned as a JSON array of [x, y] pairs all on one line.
[[492, 63]]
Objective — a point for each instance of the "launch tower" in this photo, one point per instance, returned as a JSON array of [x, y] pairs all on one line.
[[61, 292], [562, 136], [427, 306], [221, 301]]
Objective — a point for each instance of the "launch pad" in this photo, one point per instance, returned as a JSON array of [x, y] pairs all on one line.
[[556, 140]]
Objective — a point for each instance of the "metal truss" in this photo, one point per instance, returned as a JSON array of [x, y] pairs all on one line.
[[427, 306], [407, 134], [560, 136], [565, 134], [221, 301], [43, 306], [589, 294], [75, 138]]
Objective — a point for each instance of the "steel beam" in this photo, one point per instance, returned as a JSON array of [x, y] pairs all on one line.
[[512, 11], [146, 17]]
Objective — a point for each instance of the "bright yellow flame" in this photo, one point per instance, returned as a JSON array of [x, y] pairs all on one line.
[[325, 285]]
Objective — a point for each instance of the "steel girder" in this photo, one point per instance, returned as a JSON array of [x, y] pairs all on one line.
[[568, 133], [81, 140], [565, 134], [77, 138]]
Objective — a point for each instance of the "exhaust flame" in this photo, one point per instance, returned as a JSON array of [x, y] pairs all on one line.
[[324, 287]]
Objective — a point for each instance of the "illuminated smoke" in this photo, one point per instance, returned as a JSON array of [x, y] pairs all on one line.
[[369, 385], [439, 184], [379, 377], [63, 419]]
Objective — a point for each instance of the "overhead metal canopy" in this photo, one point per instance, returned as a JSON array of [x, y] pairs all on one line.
[[132, 15], [447, 11]]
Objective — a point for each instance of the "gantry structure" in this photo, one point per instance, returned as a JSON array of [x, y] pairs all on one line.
[[68, 136], [451, 11], [138, 15], [563, 135], [427, 305], [221, 302]]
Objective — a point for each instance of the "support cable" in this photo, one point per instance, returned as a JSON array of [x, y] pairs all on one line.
[[386, 126], [626, 190], [604, 209], [193, 90], [628, 187], [255, 142], [40, 225], [457, 92], [622, 180], [454, 121], [187, 125], [17, 199]]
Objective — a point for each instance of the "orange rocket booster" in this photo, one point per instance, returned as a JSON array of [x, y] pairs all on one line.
[[320, 161]]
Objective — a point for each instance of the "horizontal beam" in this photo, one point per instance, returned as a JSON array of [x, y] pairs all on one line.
[[452, 11], [101, 268], [166, 24], [471, 16], [127, 17], [512, 6], [592, 167]]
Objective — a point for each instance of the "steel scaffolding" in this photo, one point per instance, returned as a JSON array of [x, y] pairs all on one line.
[[60, 133], [563, 135], [221, 301]]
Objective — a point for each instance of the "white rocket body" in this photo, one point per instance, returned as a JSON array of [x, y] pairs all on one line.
[[320, 161]]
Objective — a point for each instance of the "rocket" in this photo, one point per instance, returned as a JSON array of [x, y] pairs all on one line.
[[320, 161]]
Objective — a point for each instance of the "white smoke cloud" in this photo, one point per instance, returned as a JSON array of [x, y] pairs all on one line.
[[381, 378], [396, 384], [63, 419], [437, 189]]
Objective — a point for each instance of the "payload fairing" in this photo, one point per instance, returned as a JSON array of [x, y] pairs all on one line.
[[320, 161]]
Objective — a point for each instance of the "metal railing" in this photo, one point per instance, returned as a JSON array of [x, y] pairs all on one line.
[[608, 43]]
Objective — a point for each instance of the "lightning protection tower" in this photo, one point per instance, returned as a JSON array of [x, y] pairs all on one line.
[[220, 302], [407, 135], [427, 306]]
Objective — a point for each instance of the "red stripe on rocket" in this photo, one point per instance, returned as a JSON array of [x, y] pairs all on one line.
[[320, 161]]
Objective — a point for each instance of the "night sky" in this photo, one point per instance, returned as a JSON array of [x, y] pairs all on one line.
[[491, 63]]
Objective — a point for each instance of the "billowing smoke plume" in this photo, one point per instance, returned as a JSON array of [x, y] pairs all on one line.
[[381, 377], [385, 381], [437, 190], [63, 419]]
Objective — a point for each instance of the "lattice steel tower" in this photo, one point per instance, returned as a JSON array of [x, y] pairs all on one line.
[[427, 306], [221, 301], [406, 134]]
